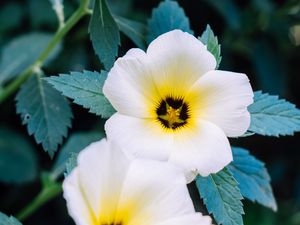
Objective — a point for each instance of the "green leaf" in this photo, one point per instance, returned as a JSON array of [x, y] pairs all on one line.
[[166, 17], [71, 163], [211, 41], [45, 111], [253, 178], [134, 30], [271, 116], [21, 52], [86, 90], [18, 163], [222, 197], [5, 220], [104, 34], [75, 143]]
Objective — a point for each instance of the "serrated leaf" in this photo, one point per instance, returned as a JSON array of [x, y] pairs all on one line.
[[18, 163], [104, 34], [71, 163], [75, 143], [5, 220], [86, 90], [253, 178], [211, 41], [166, 17], [21, 52], [222, 197], [272, 116], [134, 30], [45, 111]]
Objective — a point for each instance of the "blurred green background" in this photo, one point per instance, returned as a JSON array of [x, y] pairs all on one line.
[[259, 37]]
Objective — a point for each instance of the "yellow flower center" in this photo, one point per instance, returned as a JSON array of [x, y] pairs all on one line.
[[119, 223], [172, 113], [114, 213]]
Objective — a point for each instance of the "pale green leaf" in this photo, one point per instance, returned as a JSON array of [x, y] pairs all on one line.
[[271, 116], [45, 111], [104, 34], [5, 220], [211, 41], [75, 143], [86, 90], [18, 163], [21, 52], [253, 178], [166, 17], [134, 30], [71, 163], [222, 197]]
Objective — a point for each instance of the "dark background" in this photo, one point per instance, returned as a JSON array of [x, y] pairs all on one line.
[[259, 37]]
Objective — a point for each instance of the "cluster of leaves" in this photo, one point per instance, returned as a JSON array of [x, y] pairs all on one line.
[[44, 109]]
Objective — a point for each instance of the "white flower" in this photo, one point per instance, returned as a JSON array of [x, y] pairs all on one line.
[[173, 105], [106, 188]]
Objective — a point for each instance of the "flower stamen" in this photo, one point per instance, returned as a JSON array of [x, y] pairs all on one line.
[[172, 113]]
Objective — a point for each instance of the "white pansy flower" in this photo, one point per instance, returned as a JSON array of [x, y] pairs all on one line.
[[173, 105], [107, 188]]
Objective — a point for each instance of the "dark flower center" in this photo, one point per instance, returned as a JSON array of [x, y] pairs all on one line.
[[172, 113]]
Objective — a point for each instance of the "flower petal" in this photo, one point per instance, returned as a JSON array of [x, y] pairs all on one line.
[[178, 60], [161, 190], [106, 188], [139, 137], [99, 180], [129, 86], [222, 98], [197, 218], [77, 206], [204, 150]]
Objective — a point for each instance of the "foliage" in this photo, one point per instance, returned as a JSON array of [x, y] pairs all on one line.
[[271, 116], [86, 90], [18, 162], [211, 41], [46, 113], [166, 17], [222, 197], [134, 30], [20, 53], [71, 163], [104, 34], [5, 220], [258, 37], [75, 143], [252, 177]]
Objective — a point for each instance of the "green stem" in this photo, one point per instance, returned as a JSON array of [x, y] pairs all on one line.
[[44, 196], [60, 33]]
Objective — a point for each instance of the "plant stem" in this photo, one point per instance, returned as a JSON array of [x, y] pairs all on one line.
[[47, 193], [60, 33]]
